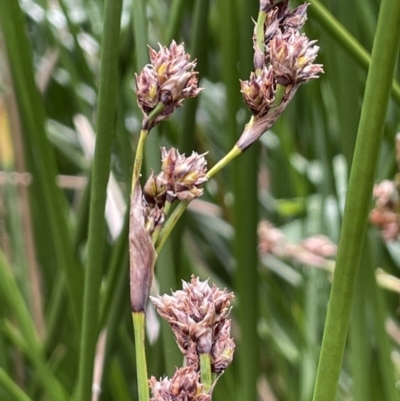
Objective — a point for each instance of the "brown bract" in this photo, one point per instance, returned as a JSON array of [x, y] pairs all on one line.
[[142, 255]]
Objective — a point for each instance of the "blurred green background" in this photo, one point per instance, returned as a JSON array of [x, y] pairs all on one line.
[[295, 178]]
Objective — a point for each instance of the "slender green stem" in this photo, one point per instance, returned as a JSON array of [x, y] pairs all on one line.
[[234, 152], [177, 213], [138, 158], [140, 147], [376, 99], [108, 84], [174, 19], [349, 43], [205, 371], [140, 32], [9, 385], [260, 38], [169, 225], [141, 365]]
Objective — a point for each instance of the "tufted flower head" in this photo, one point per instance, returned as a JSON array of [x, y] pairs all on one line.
[[223, 347], [259, 92], [184, 386], [154, 191], [182, 175], [167, 81], [291, 56], [197, 315], [385, 215], [147, 89]]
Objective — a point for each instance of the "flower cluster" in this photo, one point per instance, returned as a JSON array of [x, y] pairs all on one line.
[[198, 318], [184, 386], [313, 250], [385, 214], [286, 57], [166, 81], [180, 178]]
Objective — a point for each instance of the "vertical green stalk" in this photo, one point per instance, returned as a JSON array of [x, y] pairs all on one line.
[[245, 215], [205, 371], [100, 173], [376, 98], [174, 20], [141, 365]]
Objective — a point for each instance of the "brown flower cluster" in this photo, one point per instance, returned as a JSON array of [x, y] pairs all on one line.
[[180, 178], [385, 214], [198, 318], [167, 81], [313, 250], [287, 57], [184, 386]]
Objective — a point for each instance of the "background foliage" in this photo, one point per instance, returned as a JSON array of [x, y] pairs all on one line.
[[295, 178]]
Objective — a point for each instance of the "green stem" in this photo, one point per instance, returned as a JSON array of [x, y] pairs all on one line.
[[370, 130], [138, 158], [9, 385], [349, 43], [260, 39], [141, 366], [234, 152], [177, 213], [169, 225], [205, 371], [108, 84]]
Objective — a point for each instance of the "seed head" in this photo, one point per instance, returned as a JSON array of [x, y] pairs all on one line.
[[197, 314], [291, 56], [184, 386], [295, 19], [385, 215], [182, 175], [223, 347], [259, 91], [154, 191], [169, 79]]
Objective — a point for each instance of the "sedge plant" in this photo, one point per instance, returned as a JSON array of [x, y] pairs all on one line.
[[283, 60]]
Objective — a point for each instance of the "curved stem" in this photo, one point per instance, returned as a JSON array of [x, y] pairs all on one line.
[[234, 152]]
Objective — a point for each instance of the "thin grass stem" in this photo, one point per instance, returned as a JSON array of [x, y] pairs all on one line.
[[141, 365], [100, 174]]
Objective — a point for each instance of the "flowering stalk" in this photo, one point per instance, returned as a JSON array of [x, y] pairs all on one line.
[[161, 87], [283, 57]]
